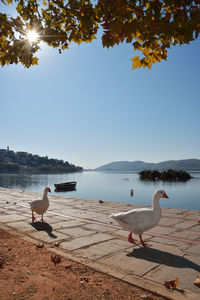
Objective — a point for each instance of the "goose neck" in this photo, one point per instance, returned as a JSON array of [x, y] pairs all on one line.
[[45, 196], [155, 203]]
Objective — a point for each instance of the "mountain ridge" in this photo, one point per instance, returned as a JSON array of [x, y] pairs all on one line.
[[192, 164]]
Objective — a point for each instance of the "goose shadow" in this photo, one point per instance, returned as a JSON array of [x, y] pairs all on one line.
[[43, 226], [163, 258]]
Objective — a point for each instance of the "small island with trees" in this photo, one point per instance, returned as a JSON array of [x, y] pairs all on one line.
[[169, 175], [19, 162]]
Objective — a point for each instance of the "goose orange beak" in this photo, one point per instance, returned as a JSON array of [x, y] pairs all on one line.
[[165, 195]]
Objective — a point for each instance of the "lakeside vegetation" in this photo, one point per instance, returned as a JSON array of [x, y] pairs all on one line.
[[169, 175], [19, 162]]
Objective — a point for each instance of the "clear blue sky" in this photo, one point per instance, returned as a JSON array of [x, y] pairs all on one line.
[[88, 107]]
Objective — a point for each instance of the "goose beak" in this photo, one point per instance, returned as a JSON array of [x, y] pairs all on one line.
[[49, 190], [165, 195]]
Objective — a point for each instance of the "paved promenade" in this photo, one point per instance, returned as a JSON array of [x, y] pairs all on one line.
[[88, 235]]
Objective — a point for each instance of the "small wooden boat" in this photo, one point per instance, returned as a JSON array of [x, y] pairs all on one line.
[[65, 186]]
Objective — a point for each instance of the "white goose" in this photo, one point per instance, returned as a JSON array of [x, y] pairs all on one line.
[[141, 219], [40, 206]]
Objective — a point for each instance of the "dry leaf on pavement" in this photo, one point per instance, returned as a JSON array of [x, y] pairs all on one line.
[[171, 284], [197, 281]]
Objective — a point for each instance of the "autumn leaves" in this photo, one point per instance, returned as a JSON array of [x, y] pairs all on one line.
[[151, 27]]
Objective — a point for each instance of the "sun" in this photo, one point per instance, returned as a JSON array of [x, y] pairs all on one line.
[[32, 36]]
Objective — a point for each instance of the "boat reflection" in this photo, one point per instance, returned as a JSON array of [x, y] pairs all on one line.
[[65, 187]]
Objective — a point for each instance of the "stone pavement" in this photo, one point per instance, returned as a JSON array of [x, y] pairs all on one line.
[[88, 235]]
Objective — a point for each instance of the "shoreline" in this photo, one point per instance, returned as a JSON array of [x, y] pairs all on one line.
[[87, 234]]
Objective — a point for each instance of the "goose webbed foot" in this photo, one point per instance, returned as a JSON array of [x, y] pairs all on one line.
[[33, 218], [131, 239], [143, 243]]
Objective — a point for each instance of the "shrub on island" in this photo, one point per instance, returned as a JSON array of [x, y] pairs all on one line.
[[169, 175]]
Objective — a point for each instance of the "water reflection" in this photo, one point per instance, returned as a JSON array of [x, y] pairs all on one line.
[[111, 186], [16, 181], [164, 183]]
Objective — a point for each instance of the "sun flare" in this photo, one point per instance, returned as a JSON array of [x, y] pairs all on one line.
[[32, 36]]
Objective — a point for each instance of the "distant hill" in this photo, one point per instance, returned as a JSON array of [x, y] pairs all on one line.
[[184, 164], [16, 162]]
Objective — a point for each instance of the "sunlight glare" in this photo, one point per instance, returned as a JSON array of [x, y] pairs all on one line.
[[32, 36]]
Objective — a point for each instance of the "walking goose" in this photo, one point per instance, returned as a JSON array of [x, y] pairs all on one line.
[[141, 219], [40, 206]]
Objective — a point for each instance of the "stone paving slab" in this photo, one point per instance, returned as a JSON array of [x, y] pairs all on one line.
[[23, 226], [11, 218], [67, 223], [87, 234], [185, 225], [196, 228], [81, 242], [163, 240], [188, 234], [127, 264], [49, 236], [107, 248], [169, 222], [78, 232], [100, 228], [162, 230], [184, 267], [193, 249]]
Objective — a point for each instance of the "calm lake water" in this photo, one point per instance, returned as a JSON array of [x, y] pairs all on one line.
[[111, 186]]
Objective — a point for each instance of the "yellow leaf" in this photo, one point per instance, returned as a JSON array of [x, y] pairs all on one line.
[[138, 34], [136, 62], [176, 282], [149, 65], [35, 61], [136, 58], [146, 52]]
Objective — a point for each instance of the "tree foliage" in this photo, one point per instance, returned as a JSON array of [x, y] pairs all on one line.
[[169, 175], [151, 26], [11, 161]]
